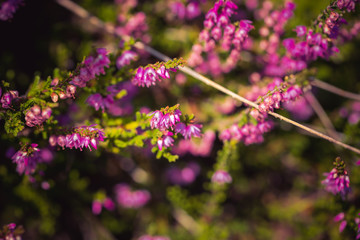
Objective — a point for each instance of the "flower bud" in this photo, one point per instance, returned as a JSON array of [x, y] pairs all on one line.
[[54, 97]]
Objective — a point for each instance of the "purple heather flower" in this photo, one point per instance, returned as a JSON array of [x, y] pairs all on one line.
[[82, 137], [188, 131], [192, 10], [109, 204], [7, 98], [343, 223], [178, 9], [163, 72], [164, 121], [91, 68], [165, 141], [221, 177], [96, 101], [8, 8], [96, 207], [127, 198], [26, 159], [337, 182], [125, 58], [300, 31]]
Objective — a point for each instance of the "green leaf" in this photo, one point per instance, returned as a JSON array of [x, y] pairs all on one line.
[[120, 144]]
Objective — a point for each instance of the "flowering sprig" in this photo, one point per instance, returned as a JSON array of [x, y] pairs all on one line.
[[26, 158], [36, 116], [218, 28], [79, 138], [337, 180], [147, 76]]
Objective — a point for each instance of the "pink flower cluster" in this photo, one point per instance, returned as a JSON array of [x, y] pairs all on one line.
[[348, 5], [8, 8], [127, 198], [148, 237], [248, 133], [36, 116], [91, 67], [7, 98], [313, 46], [348, 34], [166, 120], [26, 159], [221, 177], [114, 106], [149, 75], [69, 92], [352, 114], [184, 176], [277, 19], [134, 26], [218, 28], [337, 182], [107, 203], [299, 109], [332, 25], [189, 11], [202, 147], [188, 130], [125, 58], [80, 137], [343, 223]]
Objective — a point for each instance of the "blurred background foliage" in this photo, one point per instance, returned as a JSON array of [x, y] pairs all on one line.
[[276, 191]]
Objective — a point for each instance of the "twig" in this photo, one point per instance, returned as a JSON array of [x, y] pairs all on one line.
[[186, 221], [316, 106], [81, 12], [335, 90]]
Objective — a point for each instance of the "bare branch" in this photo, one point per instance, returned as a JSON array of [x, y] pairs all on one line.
[[335, 90], [318, 109]]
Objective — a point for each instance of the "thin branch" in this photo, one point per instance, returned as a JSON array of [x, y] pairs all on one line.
[[335, 90], [81, 12], [186, 221], [318, 109]]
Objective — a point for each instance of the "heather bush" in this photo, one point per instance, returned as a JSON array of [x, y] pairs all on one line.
[[179, 119]]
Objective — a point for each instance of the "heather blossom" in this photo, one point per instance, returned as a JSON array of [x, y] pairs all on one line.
[[7, 98], [165, 141], [26, 159], [337, 180], [165, 119], [36, 116], [146, 77], [125, 58], [127, 198], [91, 67], [343, 223], [8, 8], [221, 177], [79, 138], [107, 203], [188, 130], [183, 176]]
